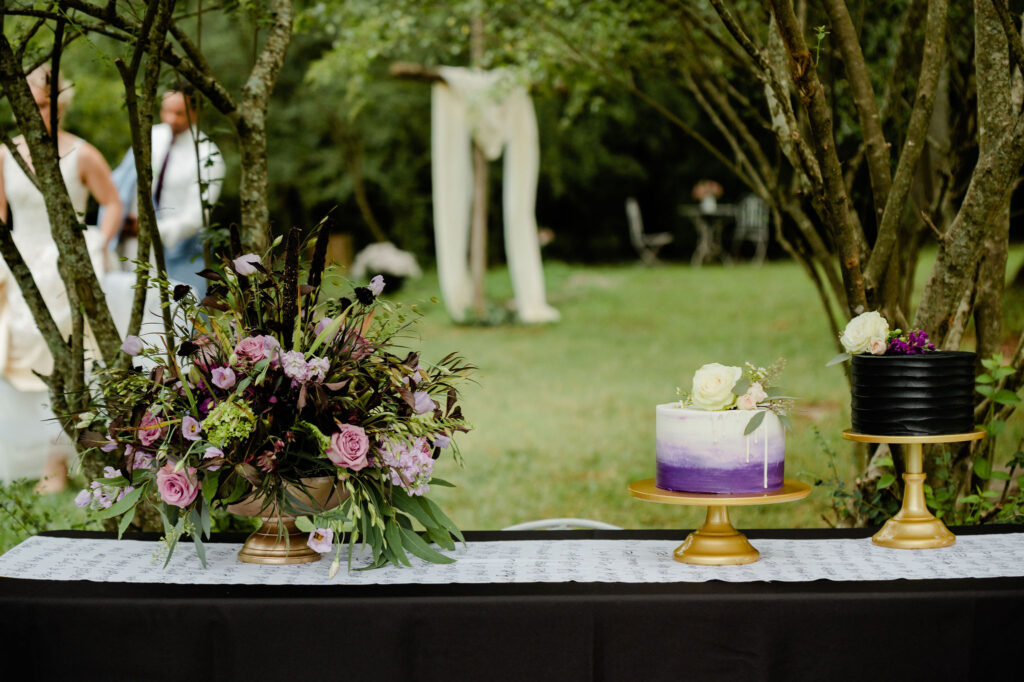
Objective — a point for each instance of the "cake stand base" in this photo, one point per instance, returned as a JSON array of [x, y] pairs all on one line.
[[913, 526], [717, 543]]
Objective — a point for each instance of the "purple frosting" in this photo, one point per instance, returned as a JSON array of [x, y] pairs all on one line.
[[748, 478]]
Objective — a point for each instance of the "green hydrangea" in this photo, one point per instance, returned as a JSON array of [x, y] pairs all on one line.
[[229, 421]]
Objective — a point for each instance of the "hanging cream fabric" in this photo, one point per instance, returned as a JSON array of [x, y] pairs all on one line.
[[490, 108]]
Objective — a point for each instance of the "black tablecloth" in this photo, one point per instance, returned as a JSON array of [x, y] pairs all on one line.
[[885, 630]]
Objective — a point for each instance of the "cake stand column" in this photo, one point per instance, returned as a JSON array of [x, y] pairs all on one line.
[[716, 543], [914, 526]]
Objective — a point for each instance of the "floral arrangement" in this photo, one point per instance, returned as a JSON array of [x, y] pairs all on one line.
[[869, 333], [266, 383], [707, 188], [718, 387]]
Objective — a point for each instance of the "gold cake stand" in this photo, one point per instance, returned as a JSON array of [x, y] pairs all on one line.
[[913, 526], [717, 543]]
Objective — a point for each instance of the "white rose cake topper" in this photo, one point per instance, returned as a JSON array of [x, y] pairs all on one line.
[[719, 387], [727, 435]]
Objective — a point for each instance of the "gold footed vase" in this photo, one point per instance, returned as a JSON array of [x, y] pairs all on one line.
[[277, 541]]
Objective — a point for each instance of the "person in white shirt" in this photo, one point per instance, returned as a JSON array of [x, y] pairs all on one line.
[[185, 187]]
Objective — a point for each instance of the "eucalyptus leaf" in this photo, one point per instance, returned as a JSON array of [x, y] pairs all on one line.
[[842, 357], [443, 519], [305, 524], [416, 546], [122, 505], [393, 533], [125, 520], [754, 422]]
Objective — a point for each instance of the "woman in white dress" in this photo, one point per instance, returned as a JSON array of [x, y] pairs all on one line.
[[30, 439]]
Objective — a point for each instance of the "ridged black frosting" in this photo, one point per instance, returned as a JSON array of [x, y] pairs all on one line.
[[913, 395]]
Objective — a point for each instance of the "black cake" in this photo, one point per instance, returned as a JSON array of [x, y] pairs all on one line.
[[913, 395]]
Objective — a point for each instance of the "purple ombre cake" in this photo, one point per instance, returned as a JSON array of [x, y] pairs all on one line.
[[700, 451]]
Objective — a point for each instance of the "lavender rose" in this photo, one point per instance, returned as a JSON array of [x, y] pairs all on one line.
[[250, 348], [377, 285], [190, 428], [177, 488], [149, 429], [132, 345], [223, 377], [213, 453], [424, 403], [349, 447], [245, 265], [321, 540]]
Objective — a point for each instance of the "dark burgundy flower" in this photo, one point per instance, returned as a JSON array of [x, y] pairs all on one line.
[[181, 291], [364, 295]]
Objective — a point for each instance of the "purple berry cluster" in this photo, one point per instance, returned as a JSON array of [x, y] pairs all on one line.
[[914, 343]]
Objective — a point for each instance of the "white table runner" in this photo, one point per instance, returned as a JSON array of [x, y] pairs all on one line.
[[521, 561]]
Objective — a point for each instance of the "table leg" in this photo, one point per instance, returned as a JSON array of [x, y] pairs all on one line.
[[914, 526], [716, 543]]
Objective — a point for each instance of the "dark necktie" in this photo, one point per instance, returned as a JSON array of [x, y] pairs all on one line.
[[163, 171]]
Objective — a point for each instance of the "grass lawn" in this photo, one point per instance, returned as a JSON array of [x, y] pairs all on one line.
[[564, 413]]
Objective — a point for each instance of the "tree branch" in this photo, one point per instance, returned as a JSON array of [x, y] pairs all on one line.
[[837, 203], [1012, 35], [920, 117], [877, 150]]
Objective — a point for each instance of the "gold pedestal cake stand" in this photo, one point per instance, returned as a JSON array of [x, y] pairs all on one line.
[[717, 543], [913, 526]]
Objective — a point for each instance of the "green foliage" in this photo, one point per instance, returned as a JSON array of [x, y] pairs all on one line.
[[850, 505]]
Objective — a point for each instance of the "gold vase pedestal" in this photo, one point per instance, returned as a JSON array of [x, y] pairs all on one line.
[[717, 543], [914, 526], [277, 541]]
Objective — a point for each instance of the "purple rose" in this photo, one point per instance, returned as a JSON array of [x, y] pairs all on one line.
[[250, 348], [349, 447], [177, 488], [321, 540], [377, 285], [213, 453], [423, 402], [190, 428], [150, 429], [223, 377], [132, 345], [245, 265]]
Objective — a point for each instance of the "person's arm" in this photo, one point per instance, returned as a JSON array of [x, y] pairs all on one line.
[[95, 174]]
